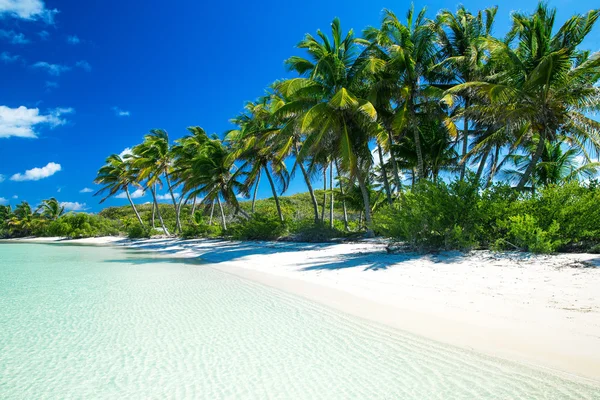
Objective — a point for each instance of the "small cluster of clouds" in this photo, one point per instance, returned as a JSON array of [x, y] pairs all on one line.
[[167, 196], [35, 174], [73, 39], [32, 10], [134, 195], [9, 58], [120, 113], [86, 190], [58, 69], [73, 206], [22, 121], [13, 37]]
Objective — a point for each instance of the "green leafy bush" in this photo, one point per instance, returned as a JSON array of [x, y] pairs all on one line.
[[137, 231], [524, 233], [260, 226]]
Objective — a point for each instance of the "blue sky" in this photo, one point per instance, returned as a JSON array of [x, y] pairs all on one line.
[[80, 80]]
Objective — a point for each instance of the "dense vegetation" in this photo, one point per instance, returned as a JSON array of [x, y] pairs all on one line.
[[431, 131]]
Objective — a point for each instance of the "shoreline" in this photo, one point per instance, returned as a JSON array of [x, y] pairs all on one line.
[[541, 311]]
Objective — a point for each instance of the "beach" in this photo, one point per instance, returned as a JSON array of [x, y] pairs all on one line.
[[538, 310]]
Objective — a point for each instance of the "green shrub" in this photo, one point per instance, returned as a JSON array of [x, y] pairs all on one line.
[[137, 231], [260, 226], [524, 233]]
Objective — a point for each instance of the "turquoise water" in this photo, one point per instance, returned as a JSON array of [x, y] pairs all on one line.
[[109, 323]]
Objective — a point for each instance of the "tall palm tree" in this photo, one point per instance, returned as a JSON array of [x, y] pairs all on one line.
[[184, 151], [255, 143], [154, 159], [410, 53], [331, 116], [544, 85], [115, 176], [459, 35], [22, 221], [51, 209]]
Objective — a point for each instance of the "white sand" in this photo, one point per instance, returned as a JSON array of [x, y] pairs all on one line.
[[539, 310]]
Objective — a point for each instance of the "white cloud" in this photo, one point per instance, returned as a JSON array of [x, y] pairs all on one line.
[[86, 190], [3, 201], [73, 39], [58, 189], [27, 9], [125, 152], [1, 178], [84, 65], [121, 113], [35, 174], [8, 58], [134, 195], [72, 206], [167, 196], [12, 36], [52, 69], [51, 85], [15, 196], [44, 35], [21, 121]]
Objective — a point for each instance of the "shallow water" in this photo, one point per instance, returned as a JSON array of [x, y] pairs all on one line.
[[109, 323]]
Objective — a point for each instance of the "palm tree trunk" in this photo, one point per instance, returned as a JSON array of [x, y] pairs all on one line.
[[331, 195], [160, 218], [481, 167], [153, 214], [366, 201], [392, 158], [493, 168], [538, 153], [313, 198], [212, 210], [178, 223], [465, 147], [222, 214], [179, 211], [193, 208], [386, 182], [255, 190], [137, 214], [420, 164], [337, 168], [324, 194], [274, 190]]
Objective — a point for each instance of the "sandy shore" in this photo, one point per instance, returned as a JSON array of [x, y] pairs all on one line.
[[539, 310]]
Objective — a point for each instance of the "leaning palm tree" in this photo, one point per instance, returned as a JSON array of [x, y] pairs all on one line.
[[51, 209], [543, 86], [154, 159], [212, 178], [255, 144], [116, 176], [558, 164], [331, 116], [184, 151]]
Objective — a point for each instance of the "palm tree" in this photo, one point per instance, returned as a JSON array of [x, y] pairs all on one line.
[[556, 165], [184, 151], [21, 221], [255, 143], [51, 209], [115, 176], [332, 118], [543, 86], [459, 35], [212, 178], [410, 53], [154, 159]]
